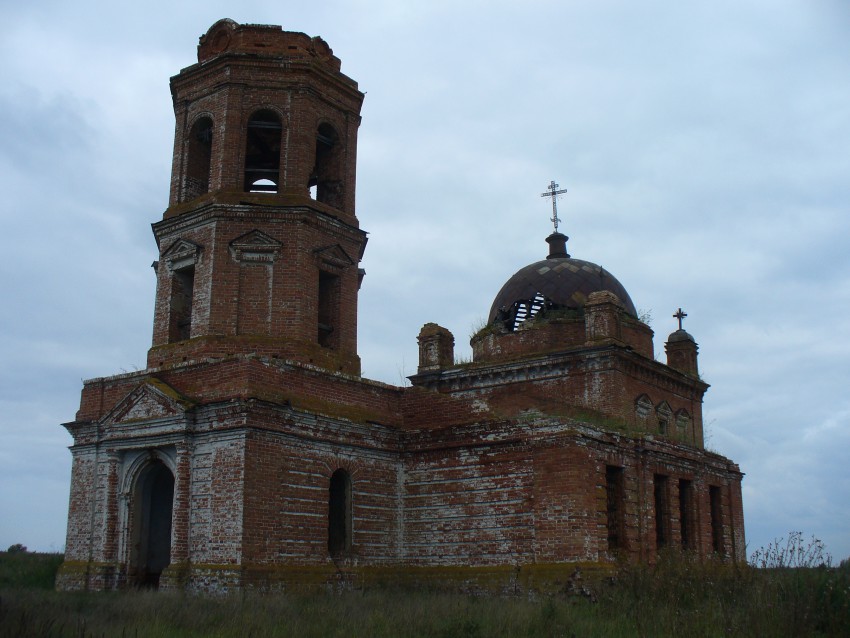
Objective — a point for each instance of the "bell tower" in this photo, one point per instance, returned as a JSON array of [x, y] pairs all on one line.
[[259, 247]]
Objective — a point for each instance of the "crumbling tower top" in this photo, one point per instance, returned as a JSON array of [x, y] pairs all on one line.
[[227, 36], [265, 111]]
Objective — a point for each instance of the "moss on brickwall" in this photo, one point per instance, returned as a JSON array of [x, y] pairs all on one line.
[[603, 422], [356, 414], [224, 347], [560, 315], [73, 568], [82, 575], [538, 578]]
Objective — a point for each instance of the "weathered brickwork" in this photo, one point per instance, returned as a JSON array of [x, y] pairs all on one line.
[[251, 453]]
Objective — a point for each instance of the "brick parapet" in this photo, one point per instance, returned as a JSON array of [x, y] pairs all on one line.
[[605, 379], [248, 376]]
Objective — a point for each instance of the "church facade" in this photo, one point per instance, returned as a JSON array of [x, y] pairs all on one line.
[[251, 452]]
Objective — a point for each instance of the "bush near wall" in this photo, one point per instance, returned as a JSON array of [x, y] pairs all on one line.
[[32, 570]]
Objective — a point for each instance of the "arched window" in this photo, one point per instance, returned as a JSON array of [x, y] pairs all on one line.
[[180, 259], [715, 499], [615, 502], [153, 500], [262, 153], [643, 408], [683, 422], [339, 513], [665, 416], [326, 181], [328, 335], [662, 510], [199, 155], [687, 514], [182, 293]]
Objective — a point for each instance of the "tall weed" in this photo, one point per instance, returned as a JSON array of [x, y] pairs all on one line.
[[793, 592]]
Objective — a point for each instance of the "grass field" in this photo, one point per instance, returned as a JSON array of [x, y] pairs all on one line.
[[678, 597]]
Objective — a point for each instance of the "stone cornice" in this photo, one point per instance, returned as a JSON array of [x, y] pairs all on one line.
[[556, 365], [246, 206]]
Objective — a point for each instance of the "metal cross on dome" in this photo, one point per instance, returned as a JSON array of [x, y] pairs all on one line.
[[680, 315], [553, 192]]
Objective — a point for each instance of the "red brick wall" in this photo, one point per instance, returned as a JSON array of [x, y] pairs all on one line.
[[286, 314], [497, 463], [467, 504], [286, 496]]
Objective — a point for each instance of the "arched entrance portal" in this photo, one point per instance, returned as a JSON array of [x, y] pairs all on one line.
[[153, 499]]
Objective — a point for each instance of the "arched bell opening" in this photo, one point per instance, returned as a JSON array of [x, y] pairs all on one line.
[[198, 159], [262, 152], [325, 182]]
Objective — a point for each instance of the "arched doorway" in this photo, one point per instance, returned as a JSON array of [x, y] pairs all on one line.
[[153, 499]]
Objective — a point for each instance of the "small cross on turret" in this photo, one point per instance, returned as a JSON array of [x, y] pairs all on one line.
[[680, 315], [553, 192]]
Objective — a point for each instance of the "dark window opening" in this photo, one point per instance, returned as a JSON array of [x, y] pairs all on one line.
[[262, 153], [615, 498], [199, 159], [325, 182], [665, 415], [716, 505], [662, 511], [339, 513], [328, 310], [153, 503], [686, 514], [182, 291]]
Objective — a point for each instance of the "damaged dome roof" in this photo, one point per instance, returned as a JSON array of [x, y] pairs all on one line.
[[556, 282]]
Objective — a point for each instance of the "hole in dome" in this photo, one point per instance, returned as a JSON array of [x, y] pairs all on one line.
[[524, 310]]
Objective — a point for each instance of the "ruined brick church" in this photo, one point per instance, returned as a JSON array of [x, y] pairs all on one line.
[[251, 453]]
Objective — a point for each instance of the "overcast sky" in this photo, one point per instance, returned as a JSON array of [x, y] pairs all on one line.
[[705, 147]]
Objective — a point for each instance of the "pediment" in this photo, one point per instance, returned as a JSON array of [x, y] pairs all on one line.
[[643, 406], [181, 253], [255, 246], [334, 255], [150, 401]]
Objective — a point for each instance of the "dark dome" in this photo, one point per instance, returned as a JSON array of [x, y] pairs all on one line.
[[553, 283], [680, 335]]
